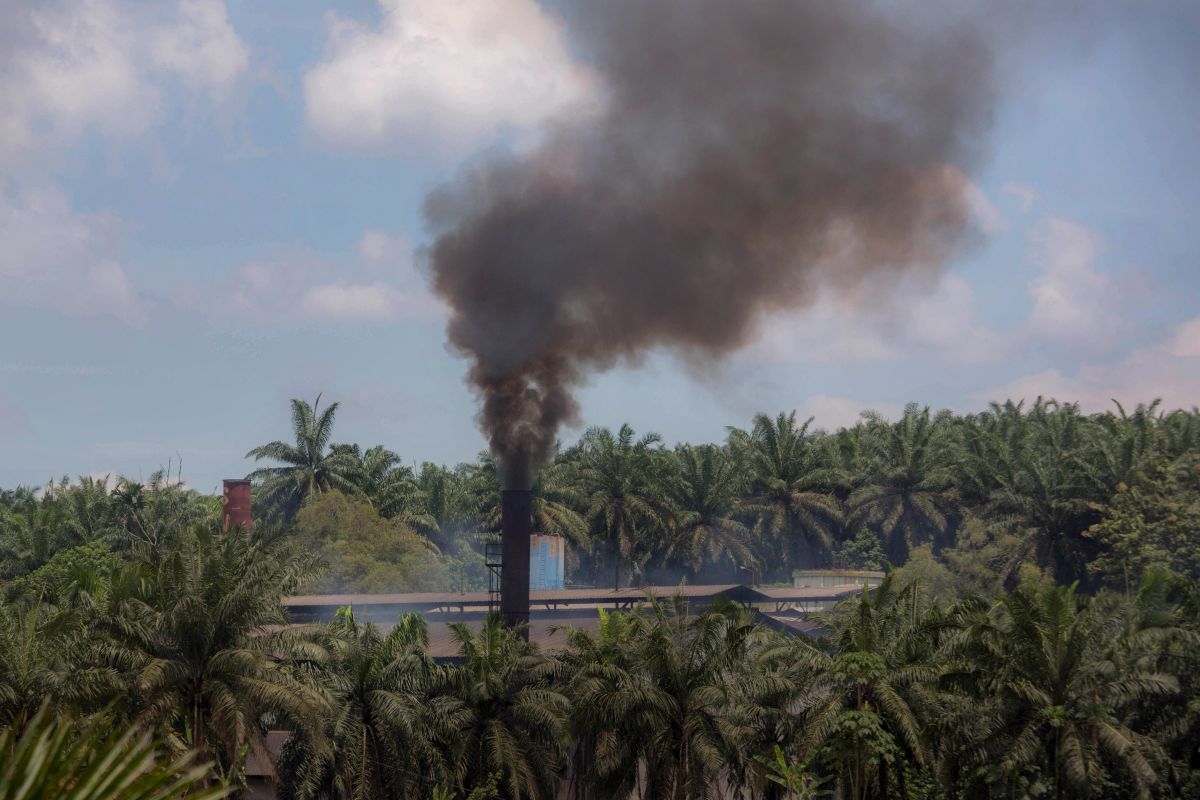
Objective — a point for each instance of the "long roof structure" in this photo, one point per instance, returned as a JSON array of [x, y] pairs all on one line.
[[386, 607]]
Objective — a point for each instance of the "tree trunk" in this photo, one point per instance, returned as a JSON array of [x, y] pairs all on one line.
[[616, 556], [883, 778]]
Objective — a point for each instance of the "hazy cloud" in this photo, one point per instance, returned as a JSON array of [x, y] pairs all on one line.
[[1074, 304], [438, 76], [53, 257], [935, 318], [1025, 196], [831, 413], [98, 65], [984, 213], [353, 301], [1169, 370], [1184, 341], [377, 283]]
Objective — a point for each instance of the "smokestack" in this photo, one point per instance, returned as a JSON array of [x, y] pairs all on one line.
[[235, 502], [516, 526]]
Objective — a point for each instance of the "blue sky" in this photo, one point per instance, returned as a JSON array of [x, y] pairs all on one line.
[[208, 208]]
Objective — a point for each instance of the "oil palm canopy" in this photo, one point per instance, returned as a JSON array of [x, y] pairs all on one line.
[[307, 467], [789, 482]]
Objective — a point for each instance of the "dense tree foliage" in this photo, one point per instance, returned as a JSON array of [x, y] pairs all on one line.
[[1038, 636]]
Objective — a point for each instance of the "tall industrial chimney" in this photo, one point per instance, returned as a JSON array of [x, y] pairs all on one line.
[[235, 502], [516, 526]]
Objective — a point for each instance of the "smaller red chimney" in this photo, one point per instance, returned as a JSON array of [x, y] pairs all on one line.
[[236, 504]]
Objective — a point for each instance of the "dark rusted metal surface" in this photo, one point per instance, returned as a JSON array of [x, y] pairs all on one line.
[[516, 526], [235, 501]]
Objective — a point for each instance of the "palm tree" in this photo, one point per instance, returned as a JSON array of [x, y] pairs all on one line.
[[1044, 494], [42, 660], [445, 504], [514, 717], [33, 531], [307, 468], [54, 757], [616, 479], [192, 637], [606, 722], [386, 736], [790, 481], [382, 479], [1121, 447], [666, 704], [148, 515], [703, 492], [1180, 432], [1055, 687], [907, 493], [864, 694]]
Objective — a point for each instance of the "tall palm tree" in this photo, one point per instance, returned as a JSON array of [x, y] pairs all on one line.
[[386, 735], [864, 694], [42, 660], [666, 704], [192, 637], [307, 467], [606, 723], [1055, 689], [1121, 447], [381, 478], [446, 506], [1180, 432], [616, 477], [703, 491], [790, 484], [514, 717], [908, 492], [1044, 494]]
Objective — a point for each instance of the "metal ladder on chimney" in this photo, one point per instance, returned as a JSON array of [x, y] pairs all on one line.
[[493, 558]]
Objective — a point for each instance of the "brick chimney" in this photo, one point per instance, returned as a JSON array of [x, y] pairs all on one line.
[[235, 503]]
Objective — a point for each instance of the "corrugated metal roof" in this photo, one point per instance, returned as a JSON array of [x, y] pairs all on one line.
[[809, 592], [543, 631], [425, 601]]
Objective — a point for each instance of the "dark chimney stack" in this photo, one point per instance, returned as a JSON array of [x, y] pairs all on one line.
[[516, 526], [235, 502]]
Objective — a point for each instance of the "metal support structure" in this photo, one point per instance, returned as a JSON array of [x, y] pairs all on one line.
[[493, 558]]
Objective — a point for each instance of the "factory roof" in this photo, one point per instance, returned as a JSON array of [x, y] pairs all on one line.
[[319, 605]]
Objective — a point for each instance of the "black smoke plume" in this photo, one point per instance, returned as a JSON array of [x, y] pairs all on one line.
[[744, 154]]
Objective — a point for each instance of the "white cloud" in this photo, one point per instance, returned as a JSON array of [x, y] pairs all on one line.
[[442, 75], [983, 211], [98, 65], [353, 301], [373, 246], [201, 47], [380, 284], [935, 318], [1185, 340], [1025, 196], [1164, 370], [111, 288], [944, 320], [831, 413], [53, 257], [1073, 303]]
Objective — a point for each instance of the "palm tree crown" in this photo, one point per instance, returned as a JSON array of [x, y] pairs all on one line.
[[307, 468]]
